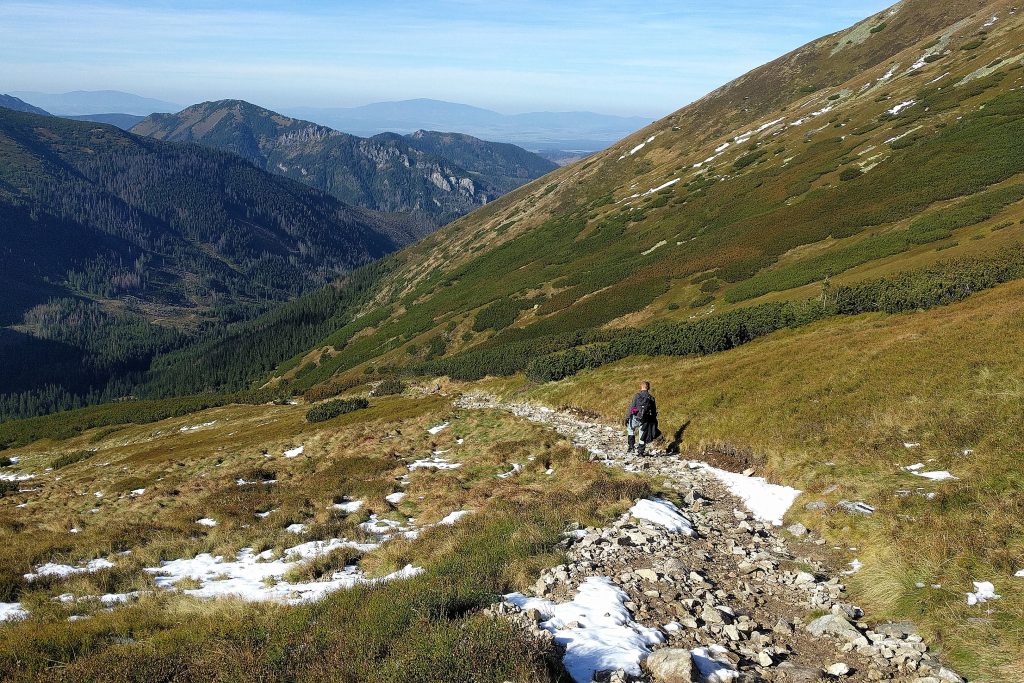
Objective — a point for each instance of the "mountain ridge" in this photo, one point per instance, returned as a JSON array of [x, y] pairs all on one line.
[[386, 172]]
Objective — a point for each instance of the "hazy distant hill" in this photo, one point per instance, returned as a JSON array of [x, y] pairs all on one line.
[[550, 130], [122, 121], [11, 102], [435, 177], [81, 102]]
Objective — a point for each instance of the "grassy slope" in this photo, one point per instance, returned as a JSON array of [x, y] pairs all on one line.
[[832, 405], [575, 242], [394, 632]]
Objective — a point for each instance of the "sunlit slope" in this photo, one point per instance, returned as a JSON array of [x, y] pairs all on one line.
[[877, 149]]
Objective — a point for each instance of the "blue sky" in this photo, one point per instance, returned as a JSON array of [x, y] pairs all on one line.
[[622, 57]]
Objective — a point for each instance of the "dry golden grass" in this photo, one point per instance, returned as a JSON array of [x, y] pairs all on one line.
[[831, 406]]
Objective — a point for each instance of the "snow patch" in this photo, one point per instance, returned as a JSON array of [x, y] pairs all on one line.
[[595, 628], [663, 513], [206, 521], [434, 463], [901, 106], [137, 492], [193, 428], [8, 476], [294, 452], [438, 428], [64, 570], [453, 517], [655, 247], [11, 611], [767, 502], [714, 667], [394, 498], [516, 467], [295, 528], [983, 591]]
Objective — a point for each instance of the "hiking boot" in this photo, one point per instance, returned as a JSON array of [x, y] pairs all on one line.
[[640, 450], [630, 444]]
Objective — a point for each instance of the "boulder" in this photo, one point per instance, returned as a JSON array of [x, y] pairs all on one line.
[[837, 626], [670, 665]]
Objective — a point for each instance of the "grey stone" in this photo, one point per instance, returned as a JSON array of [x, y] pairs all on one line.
[[837, 626], [670, 665], [797, 529]]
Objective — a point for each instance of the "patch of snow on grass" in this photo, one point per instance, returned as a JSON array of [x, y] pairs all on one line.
[[994, 19], [936, 80], [656, 246], [395, 498], [889, 74], [1020, 574], [434, 463], [606, 637], [295, 528], [258, 577], [64, 570], [516, 467], [11, 611], [348, 505], [663, 513], [137, 492], [7, 476], [767, 502], [264, 515], [855, 566], [901, 106], [379, 525], [453, 517], [294, 452], [193, 428], [983, 591], [437, 429], [206, 521]]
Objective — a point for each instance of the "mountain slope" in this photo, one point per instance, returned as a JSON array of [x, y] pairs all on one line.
[[386, 172], [138, 230], [11, 102], [738, 196]]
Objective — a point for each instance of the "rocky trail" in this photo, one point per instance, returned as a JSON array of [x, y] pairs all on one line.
[[710, 590]]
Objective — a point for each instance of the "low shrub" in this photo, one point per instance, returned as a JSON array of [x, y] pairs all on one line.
[[389, 386], [70, 459], [332, 409]]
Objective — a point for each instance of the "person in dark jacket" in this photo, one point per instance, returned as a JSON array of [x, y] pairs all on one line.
[[641, 420]]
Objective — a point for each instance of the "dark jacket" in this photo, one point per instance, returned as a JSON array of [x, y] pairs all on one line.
[[652, 416]]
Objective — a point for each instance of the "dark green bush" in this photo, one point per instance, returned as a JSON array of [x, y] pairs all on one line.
[[390, 386], [702, 301], [879, 28], [70, 459], [330, 409], [850, 173]]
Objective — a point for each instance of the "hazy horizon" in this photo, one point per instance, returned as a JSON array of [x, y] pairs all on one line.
[[624, 58]]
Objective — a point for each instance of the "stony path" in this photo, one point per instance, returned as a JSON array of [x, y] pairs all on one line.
[[734, 599]]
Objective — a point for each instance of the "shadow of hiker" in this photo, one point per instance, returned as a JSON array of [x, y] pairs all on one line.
[[677, 439]]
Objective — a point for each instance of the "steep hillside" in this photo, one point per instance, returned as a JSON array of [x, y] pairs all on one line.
[[905, 151], [424, 176], [11, 102], [150, 230]]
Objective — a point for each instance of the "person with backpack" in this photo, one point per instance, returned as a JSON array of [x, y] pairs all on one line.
[[641, 420]]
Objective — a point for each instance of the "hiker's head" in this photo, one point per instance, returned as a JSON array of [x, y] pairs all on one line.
[[645, 386]]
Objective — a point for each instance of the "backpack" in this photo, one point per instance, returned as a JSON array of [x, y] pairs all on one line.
[[644, 408]]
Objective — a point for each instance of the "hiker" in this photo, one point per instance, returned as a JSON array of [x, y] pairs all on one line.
[[641, 420]]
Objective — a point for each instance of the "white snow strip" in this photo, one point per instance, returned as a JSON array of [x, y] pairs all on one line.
[[994, 19], [606, 637], [198, 426], [7, 476], [379, 525], [938, 475], [516, 467], [663, 513], [855, 566], [64, 570], [137, 492], [265, 482], [656, 246], [295, 528], [438, 428], [434, 463], [264, 515], [901, 106], [637, 148], [936, 80], [889, 73], [10, 611], [910, 444], [661, 187], [1020, 574], [206, 521], [767, 502], [395, 498], [453, 517], [294, 452], [349, 505], [983, 591], [713, 666]]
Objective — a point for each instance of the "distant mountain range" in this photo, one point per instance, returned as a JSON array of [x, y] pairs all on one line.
[[576, 130], [82, 102], [435, 177], [122, 121], [11, 102]]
